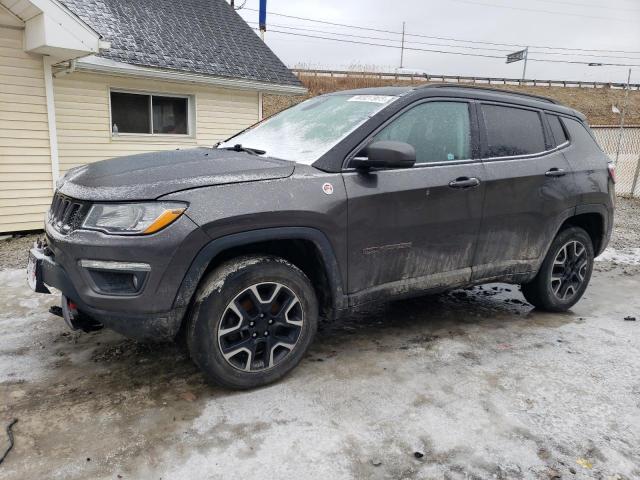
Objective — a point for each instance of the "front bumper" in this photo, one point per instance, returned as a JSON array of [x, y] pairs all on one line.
[[147, 314]]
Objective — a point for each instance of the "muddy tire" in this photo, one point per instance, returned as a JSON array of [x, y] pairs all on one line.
[[253, 319], [564, 274]]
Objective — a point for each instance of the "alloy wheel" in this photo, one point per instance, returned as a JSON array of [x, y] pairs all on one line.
[[569, 270], [260, 327]]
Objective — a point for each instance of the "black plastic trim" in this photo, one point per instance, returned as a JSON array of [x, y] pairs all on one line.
[[214, 248]]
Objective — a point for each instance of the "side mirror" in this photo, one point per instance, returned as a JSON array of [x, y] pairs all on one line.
[[386, 154]]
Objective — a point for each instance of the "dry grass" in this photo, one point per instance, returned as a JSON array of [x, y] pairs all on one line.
[[594, 103]]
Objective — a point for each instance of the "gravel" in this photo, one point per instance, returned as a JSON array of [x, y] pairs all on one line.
[[626, 228], [14, 250]]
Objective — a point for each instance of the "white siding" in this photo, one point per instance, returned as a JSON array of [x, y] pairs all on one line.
[[25, 164], [83, 117]]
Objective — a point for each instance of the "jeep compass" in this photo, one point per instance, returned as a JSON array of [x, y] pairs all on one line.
[[342, 200]]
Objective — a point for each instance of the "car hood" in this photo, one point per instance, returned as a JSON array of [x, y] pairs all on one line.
[[151, 175]]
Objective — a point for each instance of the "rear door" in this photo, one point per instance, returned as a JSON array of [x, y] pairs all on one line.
[[413, 229], [529, 189]]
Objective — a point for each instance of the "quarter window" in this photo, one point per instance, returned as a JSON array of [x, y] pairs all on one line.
[[512, 131], [439, 131], [147, 114], [557, 129]]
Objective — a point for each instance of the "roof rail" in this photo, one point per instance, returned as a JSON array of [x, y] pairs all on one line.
[[489, 89]]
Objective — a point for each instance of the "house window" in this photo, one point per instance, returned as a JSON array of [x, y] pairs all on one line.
[[149, 114]]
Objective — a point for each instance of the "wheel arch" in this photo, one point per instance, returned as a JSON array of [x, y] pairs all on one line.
[[307, 248], [592, 219]]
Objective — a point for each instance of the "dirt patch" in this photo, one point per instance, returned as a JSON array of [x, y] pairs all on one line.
[[595, 103]]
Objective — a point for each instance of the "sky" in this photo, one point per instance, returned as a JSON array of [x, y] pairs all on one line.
[[578, 24]]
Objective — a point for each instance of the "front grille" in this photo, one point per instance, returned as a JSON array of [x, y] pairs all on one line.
[[66, 214]]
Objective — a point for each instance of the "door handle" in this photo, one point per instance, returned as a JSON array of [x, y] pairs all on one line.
[[555, 172], [464, 182]]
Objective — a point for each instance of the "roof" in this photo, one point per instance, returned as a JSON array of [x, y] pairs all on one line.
[[196, 36]]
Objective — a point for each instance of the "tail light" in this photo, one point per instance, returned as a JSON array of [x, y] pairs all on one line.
[[612, 171]]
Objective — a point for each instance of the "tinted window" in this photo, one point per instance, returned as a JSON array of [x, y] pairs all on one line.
[[512, 131], [130, 113], [557, 129], [439, 131], [145, 113], [169, 115]]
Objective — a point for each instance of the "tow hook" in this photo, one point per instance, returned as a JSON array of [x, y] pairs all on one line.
[[77, 320]]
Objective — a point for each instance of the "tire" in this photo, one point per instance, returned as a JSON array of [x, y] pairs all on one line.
[[261, 311], [564, 261]]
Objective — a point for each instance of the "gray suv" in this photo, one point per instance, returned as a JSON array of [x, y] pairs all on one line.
[[342, 200]]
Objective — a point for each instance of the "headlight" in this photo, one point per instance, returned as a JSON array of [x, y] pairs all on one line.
[[132, 218]]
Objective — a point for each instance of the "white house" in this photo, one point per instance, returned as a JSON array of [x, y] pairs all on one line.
[[85, 80]]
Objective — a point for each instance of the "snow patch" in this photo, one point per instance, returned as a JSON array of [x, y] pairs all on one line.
[[627, 256]]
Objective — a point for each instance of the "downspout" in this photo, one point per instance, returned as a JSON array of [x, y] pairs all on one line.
[[259, 106], [51, 119]]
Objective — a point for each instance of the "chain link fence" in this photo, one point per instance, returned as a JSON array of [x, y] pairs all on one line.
[[628, 164]]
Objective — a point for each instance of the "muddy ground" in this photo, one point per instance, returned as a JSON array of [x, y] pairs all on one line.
[[471, 384]]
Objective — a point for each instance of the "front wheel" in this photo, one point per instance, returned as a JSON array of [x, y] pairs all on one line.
[[252, 321], [564, 274]]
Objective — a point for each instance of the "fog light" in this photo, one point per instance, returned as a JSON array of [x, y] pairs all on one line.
[[115, 278]]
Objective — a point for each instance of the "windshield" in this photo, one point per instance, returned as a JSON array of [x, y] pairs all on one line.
[[307, 131]]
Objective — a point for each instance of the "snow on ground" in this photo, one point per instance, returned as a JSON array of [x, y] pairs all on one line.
[[625, 256]]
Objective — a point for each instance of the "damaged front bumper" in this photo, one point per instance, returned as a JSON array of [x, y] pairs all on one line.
[[126, 283], [44, 273]]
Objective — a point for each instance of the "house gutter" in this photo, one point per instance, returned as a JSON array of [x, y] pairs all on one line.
[[95, 64]]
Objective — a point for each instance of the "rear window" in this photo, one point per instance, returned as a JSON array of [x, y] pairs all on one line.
[[557, 129], [512, 131]]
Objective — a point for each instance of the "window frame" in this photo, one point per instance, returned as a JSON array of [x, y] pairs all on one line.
[[191, 114], [484, 136], [473, 124]]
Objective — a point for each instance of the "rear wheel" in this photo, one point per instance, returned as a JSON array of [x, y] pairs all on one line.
[[252, 321], [564, 274]]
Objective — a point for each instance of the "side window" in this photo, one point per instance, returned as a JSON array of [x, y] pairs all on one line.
[[557, 129], [439, 131], [512, 131]]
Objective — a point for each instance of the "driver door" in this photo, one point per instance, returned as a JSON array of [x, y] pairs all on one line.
[[416, 228]]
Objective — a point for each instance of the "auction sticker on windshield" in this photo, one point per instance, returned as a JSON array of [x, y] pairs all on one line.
[[371, 98]]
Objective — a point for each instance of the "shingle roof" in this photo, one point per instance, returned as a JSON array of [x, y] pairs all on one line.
[[198, 36]]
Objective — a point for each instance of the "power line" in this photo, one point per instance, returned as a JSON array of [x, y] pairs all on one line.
[[554, 12], [590, 5], [468, 54], [293, 27], [359, 27]]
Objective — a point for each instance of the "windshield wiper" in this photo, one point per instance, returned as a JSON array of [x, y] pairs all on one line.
[[240, 148]]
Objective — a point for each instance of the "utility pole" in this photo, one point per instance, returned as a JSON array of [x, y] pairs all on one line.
[[402, 47], [524, 69]]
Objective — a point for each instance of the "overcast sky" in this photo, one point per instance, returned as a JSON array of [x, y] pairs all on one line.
[[585, 24]]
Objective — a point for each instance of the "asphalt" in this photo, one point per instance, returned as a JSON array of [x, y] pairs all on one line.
[[472, 384]]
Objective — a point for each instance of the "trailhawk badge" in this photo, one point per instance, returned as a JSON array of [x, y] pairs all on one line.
[[327, 188]]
